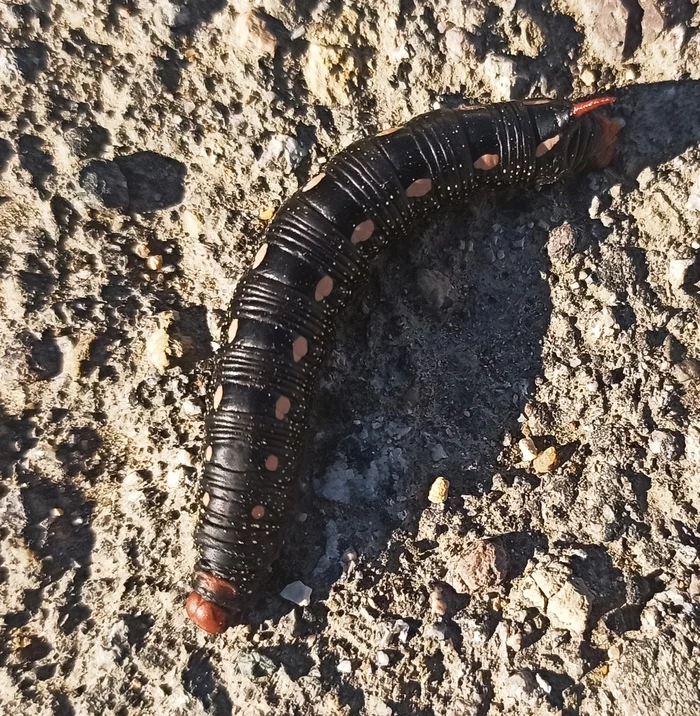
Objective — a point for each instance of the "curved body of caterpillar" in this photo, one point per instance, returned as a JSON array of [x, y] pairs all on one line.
[[316, 251]]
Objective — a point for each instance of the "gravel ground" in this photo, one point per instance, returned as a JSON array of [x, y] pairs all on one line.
[[538, 350]]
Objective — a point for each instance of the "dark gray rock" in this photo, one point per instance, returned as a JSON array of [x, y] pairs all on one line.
[[105, 181], [89, 142], [154, 181]]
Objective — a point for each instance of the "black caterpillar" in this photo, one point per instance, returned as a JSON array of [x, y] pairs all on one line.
[[317, 249]]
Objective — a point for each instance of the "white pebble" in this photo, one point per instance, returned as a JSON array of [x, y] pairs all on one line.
[[298, 593], [588, 77], [344, 667], [678, 271], [528, 449], [382, 659]]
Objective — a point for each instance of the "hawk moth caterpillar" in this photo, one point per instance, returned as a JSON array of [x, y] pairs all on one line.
[[316, 250]]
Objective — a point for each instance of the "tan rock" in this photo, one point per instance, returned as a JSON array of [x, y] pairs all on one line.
[[327, 71], [546, 461], [570, 607], [253, 35], [438, 491]]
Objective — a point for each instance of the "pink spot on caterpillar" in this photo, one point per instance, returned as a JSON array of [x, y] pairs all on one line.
[[208, 452], [300, 348], [487, 161], [232, 330], [546, 145], [362, 231], [282, 407], [420, 187], [218, 395], [258, 512], [272, 463], [260, 256], [323, 288], [314, 181], [205, 499]]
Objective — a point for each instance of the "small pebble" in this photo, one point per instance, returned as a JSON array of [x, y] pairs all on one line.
[[157, 349], [546, 461], [546, 687], [267, 214], [298, 593], [570, 607], [438, 491], [687, 371], [401, 629], [382, 659], [255, 665], [142, 250], [527, 449], [515, 641], [437, 602], [663, 444], [562, 244], [344, 667], [678, 270], [436, 631], [154, 262], [438, 453], [588, 77], [615, 652]]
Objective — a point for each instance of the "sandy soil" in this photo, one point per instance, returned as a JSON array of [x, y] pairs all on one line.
[[539, 350]]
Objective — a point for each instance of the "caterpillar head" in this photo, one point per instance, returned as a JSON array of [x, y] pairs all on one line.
[[203, 606], [570, 137]]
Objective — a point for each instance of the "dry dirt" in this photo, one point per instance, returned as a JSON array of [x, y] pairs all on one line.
[[143, 144]]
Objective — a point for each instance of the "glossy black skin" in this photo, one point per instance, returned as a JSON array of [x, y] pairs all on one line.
[[309, 239]]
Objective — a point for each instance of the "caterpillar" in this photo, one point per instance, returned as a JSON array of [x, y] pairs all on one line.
[[315, 253]]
